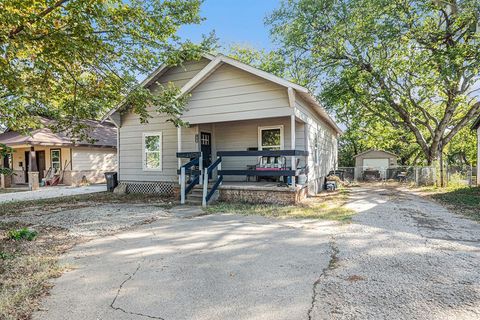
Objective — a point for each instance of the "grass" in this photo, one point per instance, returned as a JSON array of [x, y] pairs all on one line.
[[79, 201], [328, 206], [459, 199], [26, 267], [22, 234]]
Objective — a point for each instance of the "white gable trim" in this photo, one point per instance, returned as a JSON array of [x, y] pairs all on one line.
[[202, 75], [291, 87], [216, 62], [147, 81], [220, 59]]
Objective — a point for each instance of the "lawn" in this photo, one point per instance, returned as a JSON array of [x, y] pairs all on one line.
[[328, 206], [26, 266], [462, 200]]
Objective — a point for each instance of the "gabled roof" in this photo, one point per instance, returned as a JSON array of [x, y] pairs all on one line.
[[220, 59], [476, 124], [373, 150], [104, 134]]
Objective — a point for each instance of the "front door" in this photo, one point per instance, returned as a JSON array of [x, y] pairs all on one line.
[[40, 164], [206, 148]]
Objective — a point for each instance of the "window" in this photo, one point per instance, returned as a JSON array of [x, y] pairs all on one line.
[[152, 151], [316, 149], [270, 138], [55, 160]]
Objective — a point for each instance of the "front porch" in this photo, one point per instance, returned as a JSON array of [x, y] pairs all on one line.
[[282, 190]]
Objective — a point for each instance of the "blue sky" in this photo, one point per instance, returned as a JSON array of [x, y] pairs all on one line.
[[234, 21]]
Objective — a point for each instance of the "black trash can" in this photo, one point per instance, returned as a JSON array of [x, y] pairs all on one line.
[[112, 181]]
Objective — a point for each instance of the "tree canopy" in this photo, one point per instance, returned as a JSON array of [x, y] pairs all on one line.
[[75, 59], [412, 65]]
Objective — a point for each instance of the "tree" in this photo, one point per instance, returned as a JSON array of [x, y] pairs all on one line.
[[75, 59], [462, 150], [280, 62], [268, 61], [412, 64]]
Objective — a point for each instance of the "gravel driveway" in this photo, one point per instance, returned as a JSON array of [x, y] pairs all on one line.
[[402, 257]]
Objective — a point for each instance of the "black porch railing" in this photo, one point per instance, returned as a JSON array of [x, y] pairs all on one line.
[[264, 172], [197, 175]]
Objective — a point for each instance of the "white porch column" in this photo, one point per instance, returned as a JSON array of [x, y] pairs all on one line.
[[179, 148], [292, 143]]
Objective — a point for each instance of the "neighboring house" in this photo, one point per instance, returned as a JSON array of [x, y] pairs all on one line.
[[374, 160], [235, 112], [476, 126], [43, 150]]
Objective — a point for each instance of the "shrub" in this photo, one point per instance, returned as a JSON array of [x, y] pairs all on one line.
[[23, 233]]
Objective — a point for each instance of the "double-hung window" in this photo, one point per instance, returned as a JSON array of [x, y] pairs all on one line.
[[55, 160], [270, 138], [152, 151]]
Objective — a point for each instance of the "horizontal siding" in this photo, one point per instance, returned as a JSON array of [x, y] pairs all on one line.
[[131, 133], [180, 75], [327, 144], [241, 135], [230, 93], [94, 159]]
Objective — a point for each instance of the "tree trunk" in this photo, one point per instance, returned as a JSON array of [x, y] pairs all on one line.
[[440, 158]]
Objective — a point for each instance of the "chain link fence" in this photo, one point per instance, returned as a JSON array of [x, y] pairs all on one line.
[[419, 176]]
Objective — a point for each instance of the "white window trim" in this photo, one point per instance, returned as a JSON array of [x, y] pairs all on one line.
[[282, 145], [316, 148], [59, 158], [144, 155]]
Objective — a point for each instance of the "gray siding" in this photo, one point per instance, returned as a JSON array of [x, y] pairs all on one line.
[[327, 145], [131, 134], [233, 94], [240, 135]]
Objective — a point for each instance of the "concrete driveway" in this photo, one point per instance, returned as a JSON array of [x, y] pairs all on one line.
[[402, 257], [51, 192]]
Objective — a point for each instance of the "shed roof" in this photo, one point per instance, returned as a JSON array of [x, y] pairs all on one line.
[[376, 150], [104, 135]]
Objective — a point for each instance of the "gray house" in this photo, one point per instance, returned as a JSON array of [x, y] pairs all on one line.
[[251, 135]]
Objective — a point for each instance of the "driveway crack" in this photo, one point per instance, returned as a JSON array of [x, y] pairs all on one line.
[[112, 305], [332, 264]]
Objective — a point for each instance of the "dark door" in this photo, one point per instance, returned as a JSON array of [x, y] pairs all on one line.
[[206, 148], [6, 161], [41, 164], [26, 164]]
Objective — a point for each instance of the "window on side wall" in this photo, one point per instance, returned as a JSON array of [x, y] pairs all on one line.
[[316, 149], [56, 160], [270, 138], [152, 151]]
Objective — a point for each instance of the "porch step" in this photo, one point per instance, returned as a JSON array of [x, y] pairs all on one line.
[[195, 196]]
